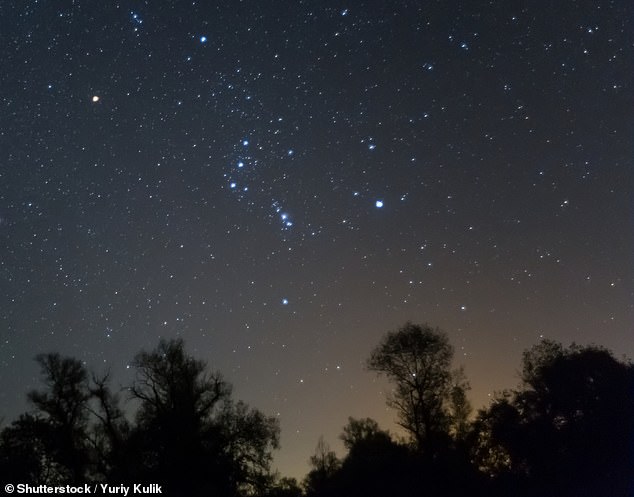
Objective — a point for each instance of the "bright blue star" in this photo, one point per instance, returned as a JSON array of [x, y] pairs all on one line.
[[284, 301], [378, 204], [203, 39], [245, 142], [135, 18]]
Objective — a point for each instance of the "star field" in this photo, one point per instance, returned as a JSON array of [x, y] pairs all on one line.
[[281, 185]]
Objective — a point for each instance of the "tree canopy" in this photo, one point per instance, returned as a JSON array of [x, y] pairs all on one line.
[[567, 429], [188, 432], [417, 359]]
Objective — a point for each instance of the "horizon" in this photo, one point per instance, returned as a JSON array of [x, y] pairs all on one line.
[[292, 464]]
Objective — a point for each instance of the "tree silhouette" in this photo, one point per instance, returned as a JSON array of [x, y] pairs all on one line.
[[569, 429], [26, 455], [190, 435], [375, 464], [249, 438], [459, 406], [486, 446], [63, 410], [109, 435], [284, 487], [417, 359], [360, 431], [175, 437], [324, 464]]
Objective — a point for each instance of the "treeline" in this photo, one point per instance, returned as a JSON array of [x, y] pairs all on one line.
[[566, 430], [188, 434]]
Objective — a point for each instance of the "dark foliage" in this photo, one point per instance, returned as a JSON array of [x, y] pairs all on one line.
[[376, 466], [188, 435], [417, 360], [568, 430], [63, 407]]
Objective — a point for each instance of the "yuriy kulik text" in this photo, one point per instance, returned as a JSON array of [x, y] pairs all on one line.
[[98, 488]]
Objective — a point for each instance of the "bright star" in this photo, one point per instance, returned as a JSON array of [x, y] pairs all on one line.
[[378, 204]]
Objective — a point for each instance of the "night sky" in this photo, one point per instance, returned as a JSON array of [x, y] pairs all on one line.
[[280, 183]]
